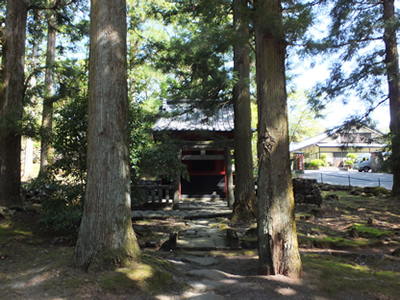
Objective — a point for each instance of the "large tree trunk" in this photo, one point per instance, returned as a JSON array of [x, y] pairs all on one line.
[[245, 198], [28, 163], [393, 76], [11, 103], [47, 112], [278, 247], [106, 237]]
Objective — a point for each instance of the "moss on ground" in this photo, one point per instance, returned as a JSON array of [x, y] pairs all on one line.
[[340, 276], [151, 276]]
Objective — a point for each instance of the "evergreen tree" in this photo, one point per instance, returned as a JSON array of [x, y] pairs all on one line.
[[11, 102], [47, 112], [245, 198], [363, 37], [106, 237], [277, 237], [196, 55], [60, 18]]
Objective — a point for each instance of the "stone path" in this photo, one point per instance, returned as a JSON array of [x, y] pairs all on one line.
[[205, 278], [202, 233], [188, 209]]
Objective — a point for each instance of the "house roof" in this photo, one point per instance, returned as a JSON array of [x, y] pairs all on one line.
[[324, 140], [307, 142], [195, 120], [356, 145]]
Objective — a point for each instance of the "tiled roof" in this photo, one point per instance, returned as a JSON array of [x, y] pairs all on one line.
[[307, 142], [196, 120], [321, 141]]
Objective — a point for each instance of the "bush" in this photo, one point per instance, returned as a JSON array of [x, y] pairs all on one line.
[[62, 204], [348, 162], [315, 163], [351, 156]]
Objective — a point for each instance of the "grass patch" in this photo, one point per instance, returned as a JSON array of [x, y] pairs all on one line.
[[10, 228], [238, 253], [342, 243], [151, 276], [366, 231], [341, 276]]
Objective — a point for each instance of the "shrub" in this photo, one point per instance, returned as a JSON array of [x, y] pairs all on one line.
[[317, 163], [348, 162], [351, 156], [62, 202]]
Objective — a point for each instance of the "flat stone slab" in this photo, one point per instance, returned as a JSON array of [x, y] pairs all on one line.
[[204, 243], [212, 274], [188, 209], [202, 296], [205, 285], [203, 261]]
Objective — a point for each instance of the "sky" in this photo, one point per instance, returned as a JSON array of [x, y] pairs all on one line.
[[307, 77], [336, 112]]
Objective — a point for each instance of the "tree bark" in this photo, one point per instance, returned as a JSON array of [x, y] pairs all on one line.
[[230, 196], [47, 112], [245, 206], [393, 77], [106, 237], [11, 103], [278, 247]]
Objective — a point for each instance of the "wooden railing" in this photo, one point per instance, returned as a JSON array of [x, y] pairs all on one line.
[[157, 193]]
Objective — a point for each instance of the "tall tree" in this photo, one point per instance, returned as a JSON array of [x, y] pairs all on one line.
[[47, 112], [363, 36], [277, 246], [11, 102], [106, 236], [245, 198], [393, 79], [195, 56], [34, 32]]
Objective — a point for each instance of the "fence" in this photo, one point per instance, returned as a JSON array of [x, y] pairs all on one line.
[[349, 180], [157, 193]]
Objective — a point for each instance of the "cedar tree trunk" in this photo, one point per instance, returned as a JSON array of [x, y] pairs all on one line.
[[393, 76], [12, 92], [47, 113], [106, 237], [278, 247], [245, 198]]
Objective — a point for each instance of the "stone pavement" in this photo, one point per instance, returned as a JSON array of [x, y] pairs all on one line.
[[203, 234], [193, 208], [200, 215]]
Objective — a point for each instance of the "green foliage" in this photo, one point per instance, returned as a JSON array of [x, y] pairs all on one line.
[[317, 163], [348, 162], [302, 120], [369, 232], [356, 39], [62, 204], [69, 139], [64, 180], [351, 156], [161, 160], [196, 54]]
